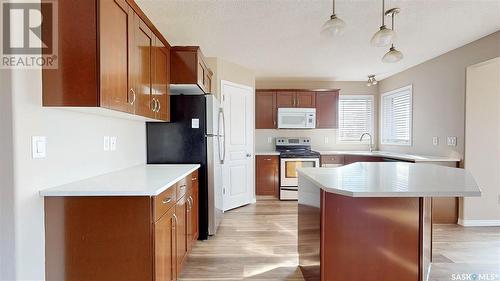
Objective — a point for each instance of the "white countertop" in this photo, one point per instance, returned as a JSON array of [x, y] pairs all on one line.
[[393, 179], [394, 155], [142, 180], [387, 154]]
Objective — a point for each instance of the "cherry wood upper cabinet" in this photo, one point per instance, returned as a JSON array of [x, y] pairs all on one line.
[[265, 109], [190, 73], [115, 25], [105, 58], [327, 110], [160, 95], [285, 99], [142, 45], [305, 99]]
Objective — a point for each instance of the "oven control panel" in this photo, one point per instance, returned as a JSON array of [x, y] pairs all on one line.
[[293, 141]]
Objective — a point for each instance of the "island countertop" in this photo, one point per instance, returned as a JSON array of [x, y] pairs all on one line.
[[142, 180], [393, 179]]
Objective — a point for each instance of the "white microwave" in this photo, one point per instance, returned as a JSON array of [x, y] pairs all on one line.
[[296, 118]]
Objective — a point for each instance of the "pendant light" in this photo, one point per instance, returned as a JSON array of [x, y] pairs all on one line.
[[371, 81], [385, 36], [393, 55], [334, 26]]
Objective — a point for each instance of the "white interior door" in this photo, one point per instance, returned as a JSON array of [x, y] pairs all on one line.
[[238, 170]]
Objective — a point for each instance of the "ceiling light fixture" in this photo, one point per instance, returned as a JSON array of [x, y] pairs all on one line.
[[334, 26], [371, 81], [393, 55], [384, 36]]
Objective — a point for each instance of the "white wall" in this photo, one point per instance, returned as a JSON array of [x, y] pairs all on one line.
[[74, 151], [317, 135], [439, 96], [7, 264]]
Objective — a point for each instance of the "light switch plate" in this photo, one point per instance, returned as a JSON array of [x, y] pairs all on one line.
[[327, 140], [106, 143], [195, 123], [112, 143], [451, 141], [435, 141], [39, 147]]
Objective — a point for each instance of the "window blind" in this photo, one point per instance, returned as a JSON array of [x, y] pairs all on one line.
[[397, 117], [355, 117]]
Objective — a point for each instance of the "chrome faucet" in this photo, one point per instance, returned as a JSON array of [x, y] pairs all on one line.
[[371, 140]]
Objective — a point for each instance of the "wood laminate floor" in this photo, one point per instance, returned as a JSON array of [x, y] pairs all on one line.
[[259, 242]]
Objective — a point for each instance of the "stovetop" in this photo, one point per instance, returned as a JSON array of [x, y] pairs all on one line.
[[295, 148], [299, 153]]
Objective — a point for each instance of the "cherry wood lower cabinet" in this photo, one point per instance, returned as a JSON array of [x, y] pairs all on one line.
[[126, 238], [346, 238], [267, 175]]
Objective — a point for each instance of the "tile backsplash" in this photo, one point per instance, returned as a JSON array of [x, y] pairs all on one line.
[[321, 139]]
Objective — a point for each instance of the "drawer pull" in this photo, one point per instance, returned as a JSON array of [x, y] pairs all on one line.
[[183, 186], [167, 200], [267, 159], [195, 178]]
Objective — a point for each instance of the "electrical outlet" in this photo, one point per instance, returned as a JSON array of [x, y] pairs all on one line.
[[435, 141], [106, 143], [327, 140], [112, 143], [269, 139], [451, 141]]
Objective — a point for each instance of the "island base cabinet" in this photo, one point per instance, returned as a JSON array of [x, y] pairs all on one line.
[[364, 239], [126, 238]]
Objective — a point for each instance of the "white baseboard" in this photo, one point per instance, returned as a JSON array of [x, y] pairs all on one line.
[[478, 222]]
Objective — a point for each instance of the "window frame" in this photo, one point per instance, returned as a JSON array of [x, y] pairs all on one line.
[[382, 112], [373, 111]]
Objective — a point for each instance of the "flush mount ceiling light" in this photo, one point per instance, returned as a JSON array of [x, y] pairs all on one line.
[[393, 55], [334, 26], [371, 81], [385, 36]]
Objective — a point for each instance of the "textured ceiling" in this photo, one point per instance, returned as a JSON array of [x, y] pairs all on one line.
[[280, 38]]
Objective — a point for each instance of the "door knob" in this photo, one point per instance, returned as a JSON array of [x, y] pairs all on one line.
[[249, 155]]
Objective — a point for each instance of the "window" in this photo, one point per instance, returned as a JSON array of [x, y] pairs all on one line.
[[355, 117], [396, 116]]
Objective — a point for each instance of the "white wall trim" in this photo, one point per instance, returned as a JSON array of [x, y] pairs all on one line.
[[478, 222]]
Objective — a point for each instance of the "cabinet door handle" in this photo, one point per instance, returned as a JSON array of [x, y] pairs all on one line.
[[167, 200], [183, 186], [133, 96], [159, 105], [194, 178], [153, 104], [175, 221]]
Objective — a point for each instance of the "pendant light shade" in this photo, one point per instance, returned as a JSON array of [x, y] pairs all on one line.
[[385, 36], [334, 26], [392, 56]]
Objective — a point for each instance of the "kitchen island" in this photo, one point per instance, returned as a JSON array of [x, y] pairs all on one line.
[[372, 221]]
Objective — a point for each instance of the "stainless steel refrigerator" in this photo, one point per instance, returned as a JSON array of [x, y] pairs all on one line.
[[194, 135]]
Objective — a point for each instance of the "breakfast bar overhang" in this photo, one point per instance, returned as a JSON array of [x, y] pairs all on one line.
[[372, 221]]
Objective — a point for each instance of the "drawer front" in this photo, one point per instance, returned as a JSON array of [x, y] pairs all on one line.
[[164, 201], [183, 186], [332, 159], [267, 159]]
